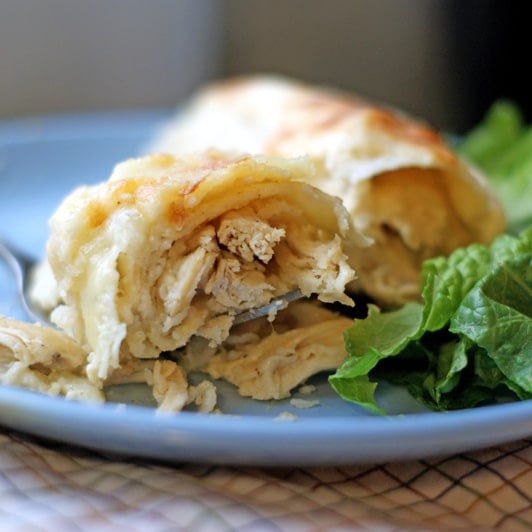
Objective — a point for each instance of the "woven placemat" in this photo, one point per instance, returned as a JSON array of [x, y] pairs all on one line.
[[48, 487]]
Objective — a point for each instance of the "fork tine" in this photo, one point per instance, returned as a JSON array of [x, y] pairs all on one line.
[[275, 305]]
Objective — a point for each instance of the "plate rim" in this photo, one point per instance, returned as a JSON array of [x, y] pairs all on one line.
[[261, 440]]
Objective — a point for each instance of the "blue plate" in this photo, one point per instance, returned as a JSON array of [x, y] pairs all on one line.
[[42, 159]]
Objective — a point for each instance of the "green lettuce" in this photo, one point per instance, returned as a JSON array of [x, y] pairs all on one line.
[[501, 146], [468, 342], [499, 130]]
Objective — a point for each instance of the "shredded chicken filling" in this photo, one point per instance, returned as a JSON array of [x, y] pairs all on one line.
[[240, 261]]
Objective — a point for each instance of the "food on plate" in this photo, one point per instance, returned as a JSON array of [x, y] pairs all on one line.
[[165, 254], [48, 360], [403, 186], [267, 360], [44, 359], [469, 343], [264, 186]]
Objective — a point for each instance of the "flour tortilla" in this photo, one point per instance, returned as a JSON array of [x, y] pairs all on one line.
[[403, 186]]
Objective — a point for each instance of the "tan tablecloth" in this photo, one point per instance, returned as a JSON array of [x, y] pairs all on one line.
[[45, 486]]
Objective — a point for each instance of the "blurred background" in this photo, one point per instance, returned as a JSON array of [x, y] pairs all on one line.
[[443, 60]]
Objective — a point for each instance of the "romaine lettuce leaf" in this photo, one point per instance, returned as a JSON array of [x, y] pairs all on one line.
[[368, 342], [469, 340], [499, 130], [501, 146], [497, 316], [445, 281]]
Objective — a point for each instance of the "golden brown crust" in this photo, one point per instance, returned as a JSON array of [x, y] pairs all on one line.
[[315, 111]]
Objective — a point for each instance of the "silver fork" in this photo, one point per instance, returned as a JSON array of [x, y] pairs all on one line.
[[21, 264]]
